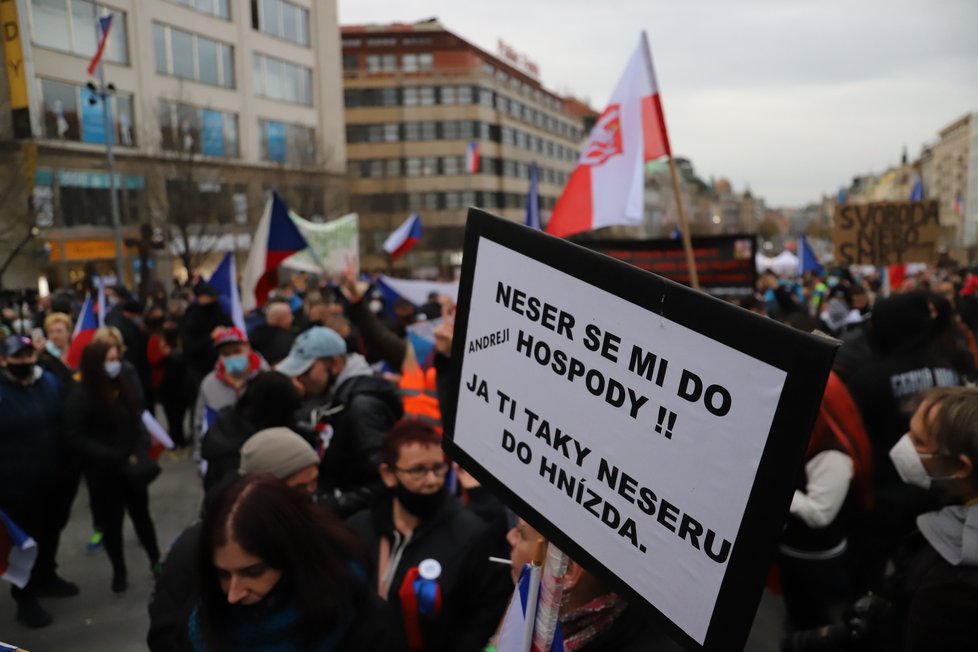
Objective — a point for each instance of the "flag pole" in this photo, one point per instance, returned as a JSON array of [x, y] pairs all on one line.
[[694, 280]]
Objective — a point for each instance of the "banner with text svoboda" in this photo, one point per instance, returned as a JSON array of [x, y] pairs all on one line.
[[333, 245], [655, 433]]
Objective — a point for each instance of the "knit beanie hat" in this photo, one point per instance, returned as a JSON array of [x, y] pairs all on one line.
[[279, 451]]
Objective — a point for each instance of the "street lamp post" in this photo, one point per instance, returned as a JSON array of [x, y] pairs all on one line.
[[104, 91]]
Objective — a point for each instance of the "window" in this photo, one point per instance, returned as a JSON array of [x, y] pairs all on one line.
[[72, 26], [450, 130], [287, 143], [451, 165], [282, 19], [485, 97], [466, 130], [426, 95], [189, 56], [428, 131], [425, 61], [281, 80], [217, 8], [75, 113], [409, 63], [351, 62], [411, 96], [392, 167], [465, 95], [412, 166], [449, 95], [453, 201], [429, 166], [391, 132], [199, 131], [412, 131], [375, 168]]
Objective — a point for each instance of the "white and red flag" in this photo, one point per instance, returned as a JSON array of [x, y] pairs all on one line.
[[606, 187]]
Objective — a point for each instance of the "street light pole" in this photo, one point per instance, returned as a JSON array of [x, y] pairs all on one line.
[[104, 92]]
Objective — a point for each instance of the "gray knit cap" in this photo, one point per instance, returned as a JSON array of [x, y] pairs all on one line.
[[279, 451]]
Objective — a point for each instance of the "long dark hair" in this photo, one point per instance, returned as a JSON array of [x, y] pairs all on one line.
[[316, 553], [105, 391]]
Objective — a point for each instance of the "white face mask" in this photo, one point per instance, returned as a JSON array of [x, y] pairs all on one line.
[[908, 464], [113, 368]]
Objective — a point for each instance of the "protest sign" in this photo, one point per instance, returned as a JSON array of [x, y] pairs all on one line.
[[334, 245], [724, 263], [886, 233], [653, 432]]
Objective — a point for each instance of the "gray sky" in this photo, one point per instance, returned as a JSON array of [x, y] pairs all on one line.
[[793, 97]]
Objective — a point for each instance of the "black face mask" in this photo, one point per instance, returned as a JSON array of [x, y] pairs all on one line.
[[20, 370], [421, 505]]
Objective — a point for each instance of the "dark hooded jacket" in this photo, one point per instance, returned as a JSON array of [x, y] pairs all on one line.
[[198, 324], [360, 411]]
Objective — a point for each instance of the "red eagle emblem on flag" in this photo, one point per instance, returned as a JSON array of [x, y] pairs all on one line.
[[605, 139]]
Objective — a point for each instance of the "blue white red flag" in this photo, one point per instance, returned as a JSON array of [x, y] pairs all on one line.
[[404, 237], [276, 238], [958, 205], [225, 281], [532, 218], [511, 632], [472, 157], [88, 323], [104, 25], [18, 551]]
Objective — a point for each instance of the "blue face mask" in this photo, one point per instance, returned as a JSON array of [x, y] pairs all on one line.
[[236, 364]]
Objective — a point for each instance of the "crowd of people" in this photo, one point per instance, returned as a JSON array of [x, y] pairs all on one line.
[[332, 519]]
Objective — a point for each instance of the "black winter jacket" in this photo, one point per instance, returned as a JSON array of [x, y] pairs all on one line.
[[474, 593]]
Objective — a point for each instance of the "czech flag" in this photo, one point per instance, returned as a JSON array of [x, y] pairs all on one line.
[[472, 157], [225, 281], [18, 551], [514, 627], [104, 25], [607, 187], [88, 323], [276, 238], [404, 237]]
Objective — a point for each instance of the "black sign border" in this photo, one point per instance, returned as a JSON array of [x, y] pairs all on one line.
[[806, 359]]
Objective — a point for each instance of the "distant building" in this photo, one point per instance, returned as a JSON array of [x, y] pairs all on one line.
[[955, 179], [417, 96], [216, 102]]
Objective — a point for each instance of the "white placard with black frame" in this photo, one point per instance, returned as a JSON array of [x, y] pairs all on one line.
[[653, 432]]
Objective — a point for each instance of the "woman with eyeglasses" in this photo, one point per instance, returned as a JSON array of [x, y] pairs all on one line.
[[429, 554]]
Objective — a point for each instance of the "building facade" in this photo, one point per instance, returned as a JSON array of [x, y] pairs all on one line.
[[954, 165], [417, 98], [214, 102]]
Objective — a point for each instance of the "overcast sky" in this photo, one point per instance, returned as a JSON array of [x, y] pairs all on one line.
[[793, 97]]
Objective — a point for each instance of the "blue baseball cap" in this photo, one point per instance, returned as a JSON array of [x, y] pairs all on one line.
[[14, 344], [317, 342]]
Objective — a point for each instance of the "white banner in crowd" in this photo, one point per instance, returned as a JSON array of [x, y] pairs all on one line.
[[334, 245], [623, 428]]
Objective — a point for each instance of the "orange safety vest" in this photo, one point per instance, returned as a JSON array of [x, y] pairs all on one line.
[[420, 396]]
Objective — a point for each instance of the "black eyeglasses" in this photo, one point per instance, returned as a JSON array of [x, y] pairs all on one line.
[[418, 472]]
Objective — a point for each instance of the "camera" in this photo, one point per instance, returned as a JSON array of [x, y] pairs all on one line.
[[864, 628]]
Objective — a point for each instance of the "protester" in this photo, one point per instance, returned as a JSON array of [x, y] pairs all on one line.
[[835, 490], [276, 572], [940, 590], [172, 379], [127, 316], [341, 392], [270, 401], [53, 357], [273, 339], [417, 533], [237, 365], [276, 451], [103, 424], [592, 617], [31, 466], [200, 321]]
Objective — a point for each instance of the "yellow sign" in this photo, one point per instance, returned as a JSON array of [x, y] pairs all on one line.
[[84, 250], [13, 54]]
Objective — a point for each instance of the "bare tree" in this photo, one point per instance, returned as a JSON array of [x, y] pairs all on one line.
[[17, 226]]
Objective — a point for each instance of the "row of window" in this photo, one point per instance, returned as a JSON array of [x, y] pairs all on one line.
[[422, 166], [72, 26], [393, 132], [411, 62], [451, 95], [74, 113], [191, 56], [442, 201]]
